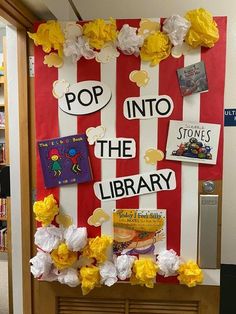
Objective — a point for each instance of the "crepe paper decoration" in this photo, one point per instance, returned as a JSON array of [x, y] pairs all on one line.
[[152, 156], [193, 142], [78, 48], [190, 274], [98, 217], [124, 264], [64, 220], [40, 264], [180, 50], [108, 274], [107, 53], [99, 32], [48, 238], [62, 257], [85, 97], [203, 30], [90, 278], [51, 276], [141, 77], [147, 27], [50, 36], [84, 261], [94, 134], [156, 47], [144, 272], [115, 148], [60, 87], [176, 28], [148, 106], [46, 210], [72, 30], [128, 41], [53, 60], [69, 277], [168, 263], [144, 183], [97, 248], [75, 238]]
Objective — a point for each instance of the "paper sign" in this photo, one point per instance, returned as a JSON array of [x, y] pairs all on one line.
[[115, 148], [230, 117], [193, 142], [145, 183], [85, 97], [146, 107]]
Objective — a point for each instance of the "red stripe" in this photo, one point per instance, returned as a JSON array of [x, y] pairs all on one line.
[[212, 102], [127, 128], [87, 201]]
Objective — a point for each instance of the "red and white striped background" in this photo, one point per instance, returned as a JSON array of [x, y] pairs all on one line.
[[181, 204]]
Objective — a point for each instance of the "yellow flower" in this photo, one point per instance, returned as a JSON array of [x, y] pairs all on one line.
[[90, 278], [203, 30], [144, 272], [190, 274], [46, 210], [156, 47], [62, 257], [50, 36], [97, 248], [99, 32]]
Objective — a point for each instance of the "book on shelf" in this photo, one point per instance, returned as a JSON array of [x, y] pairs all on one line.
[[3, 207], [3, 238]]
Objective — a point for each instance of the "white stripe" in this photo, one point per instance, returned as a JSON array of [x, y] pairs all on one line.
[[108, 120], [189, 209], [68, 126]]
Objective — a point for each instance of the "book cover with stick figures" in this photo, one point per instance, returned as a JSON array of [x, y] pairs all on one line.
[[65, 160]]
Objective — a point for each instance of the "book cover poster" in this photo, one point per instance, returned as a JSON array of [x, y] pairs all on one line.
[[139, 231], [65, 160], [193, 79], [193, 142]]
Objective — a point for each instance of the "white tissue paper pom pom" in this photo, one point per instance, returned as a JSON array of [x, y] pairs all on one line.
[[78, 48], [128, 41], [41, 264], [69, 277], [76, 238], [108, 273], [48, 238], [168, 262], [176, 28], [124, 264]]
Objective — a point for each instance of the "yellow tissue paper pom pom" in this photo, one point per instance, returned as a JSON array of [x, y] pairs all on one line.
[[156, 47], [190, 274], [62, 257], [90, 278], [46, 210], [100, 32], [203, 30], [50, 36], [144, 272], [97, 248]]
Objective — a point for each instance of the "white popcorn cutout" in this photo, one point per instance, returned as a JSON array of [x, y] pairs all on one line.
[[107, 53], [60, 87], [94, 134], [72, 30]]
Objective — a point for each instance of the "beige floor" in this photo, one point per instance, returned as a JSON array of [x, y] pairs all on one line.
[[3, 285]]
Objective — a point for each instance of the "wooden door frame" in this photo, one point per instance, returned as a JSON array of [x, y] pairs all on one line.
[[16, 14]]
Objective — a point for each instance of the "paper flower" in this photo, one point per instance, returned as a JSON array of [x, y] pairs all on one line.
[[176, 28], [50, 36], [97, 248], [203, 30], [94, 134], [141, 77], [53, 60], [100, 32], [75, 238], [156, 47], [69, 277], [108, 273], [128, 41], [144, 272], [190, 274], [72, 30], [124, 264], [46, 210], [62, 257], [168, 263], [90, 278], [41, 264], [48, 238], [64, 220], [98, 217], [147, 27], [107, 53], [152, 156], [60, 87], [77, 48]]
